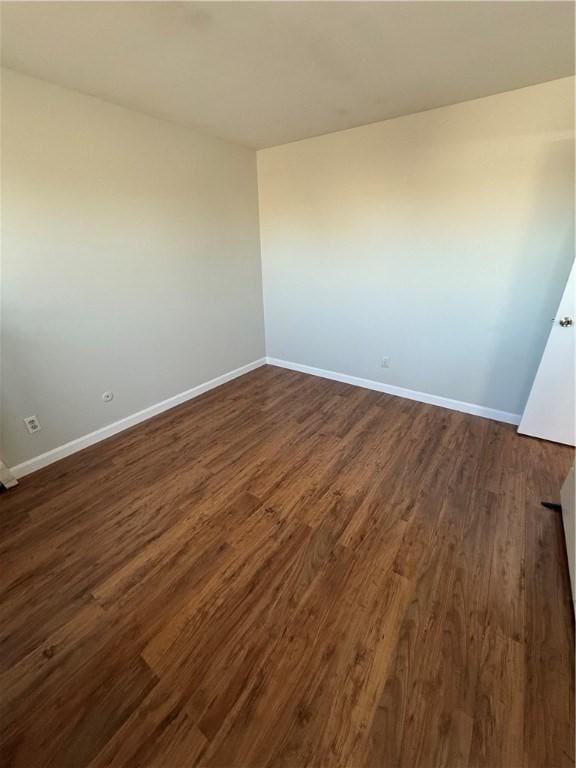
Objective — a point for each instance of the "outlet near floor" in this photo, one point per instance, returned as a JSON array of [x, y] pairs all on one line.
[[32, 424]]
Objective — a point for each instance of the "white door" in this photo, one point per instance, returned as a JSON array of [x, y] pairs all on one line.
[[549, 412]]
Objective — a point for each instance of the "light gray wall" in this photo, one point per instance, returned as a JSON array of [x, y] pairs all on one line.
[[442, 240], [131, 262]]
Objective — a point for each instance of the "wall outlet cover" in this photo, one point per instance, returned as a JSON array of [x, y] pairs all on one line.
[[32, 424]]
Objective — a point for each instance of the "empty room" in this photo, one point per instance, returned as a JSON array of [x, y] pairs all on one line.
[[287, 384]]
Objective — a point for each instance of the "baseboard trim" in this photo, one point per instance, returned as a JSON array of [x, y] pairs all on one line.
[[7, 479], [409, 394], [44, 459], [67, 449]]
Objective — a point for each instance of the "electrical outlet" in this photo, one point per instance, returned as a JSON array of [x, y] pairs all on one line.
[[32, 424], [385, 362], [107, 396]]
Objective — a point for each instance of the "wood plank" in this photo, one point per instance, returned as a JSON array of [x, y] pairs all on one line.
[[289, 572]]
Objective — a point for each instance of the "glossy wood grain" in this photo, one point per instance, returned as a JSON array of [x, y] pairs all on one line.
[[290, 572]]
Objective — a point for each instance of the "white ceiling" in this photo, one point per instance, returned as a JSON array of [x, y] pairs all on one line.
[[265, 73]]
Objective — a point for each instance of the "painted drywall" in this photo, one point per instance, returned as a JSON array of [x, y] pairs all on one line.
[[441, 240], [130, 262], [265, 73]]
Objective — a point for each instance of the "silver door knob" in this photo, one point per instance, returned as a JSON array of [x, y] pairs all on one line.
[[566, 322]]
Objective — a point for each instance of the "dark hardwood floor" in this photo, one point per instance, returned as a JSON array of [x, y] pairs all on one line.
[[290, 572]]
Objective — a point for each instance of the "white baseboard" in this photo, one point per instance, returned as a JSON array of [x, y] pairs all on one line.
[[44, 459], [7, 479], [409, 394]]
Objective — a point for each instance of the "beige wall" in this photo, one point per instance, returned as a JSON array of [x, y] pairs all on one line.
[[131, 254], [131, 262], [442, 240]]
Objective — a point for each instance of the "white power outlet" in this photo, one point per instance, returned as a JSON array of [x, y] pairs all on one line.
[[385, 362], [32, 424]]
